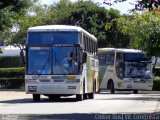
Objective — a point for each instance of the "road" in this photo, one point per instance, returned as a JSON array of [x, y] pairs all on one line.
[[17, 102]]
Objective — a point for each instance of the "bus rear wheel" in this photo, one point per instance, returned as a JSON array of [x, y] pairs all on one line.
[[112, 90], [91, 95], [79, 97], [135, 91], [36, 97], [82, 96]]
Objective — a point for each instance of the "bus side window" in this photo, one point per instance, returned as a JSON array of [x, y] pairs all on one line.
[[109, 59], [102, 59], [119, 65], [85, 43]]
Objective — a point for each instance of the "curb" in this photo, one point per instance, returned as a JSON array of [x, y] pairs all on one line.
[[20, 90]]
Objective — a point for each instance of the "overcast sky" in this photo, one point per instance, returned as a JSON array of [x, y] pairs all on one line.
[[122, 7]]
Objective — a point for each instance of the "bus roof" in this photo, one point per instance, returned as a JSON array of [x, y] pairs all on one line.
[[119, 50], [51, 28]]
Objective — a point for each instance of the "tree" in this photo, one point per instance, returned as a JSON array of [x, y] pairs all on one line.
[[91, 17], [18, 38], [87, 14], [140, 5], [143, 30], [115, 37], [17, 5], [9, 9]]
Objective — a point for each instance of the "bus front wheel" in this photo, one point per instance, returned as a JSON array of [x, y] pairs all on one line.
[[91, 95], [82, 96], [112, 90], [36, 97]]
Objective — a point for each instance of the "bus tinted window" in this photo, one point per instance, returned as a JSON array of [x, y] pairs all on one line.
[[136, 57], [102, 59], [106, 59], [53, 38]]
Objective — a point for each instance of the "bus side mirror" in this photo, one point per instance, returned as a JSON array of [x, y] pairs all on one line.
[[22, 56], [84, 57]]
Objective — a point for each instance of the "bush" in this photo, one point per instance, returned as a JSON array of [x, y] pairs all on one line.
[[12, 72], [156, 71], [156, 85], [10, 61], [11, 83]]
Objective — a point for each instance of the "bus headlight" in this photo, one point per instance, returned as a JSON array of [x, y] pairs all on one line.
[[30, 81]]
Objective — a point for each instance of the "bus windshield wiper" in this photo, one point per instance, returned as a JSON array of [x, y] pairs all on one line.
[[44, 65], [58, 64]]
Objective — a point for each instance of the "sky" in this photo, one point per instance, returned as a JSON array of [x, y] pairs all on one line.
[[123, 7]]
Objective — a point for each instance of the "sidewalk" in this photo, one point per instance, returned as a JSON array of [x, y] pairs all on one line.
[[11, 94]]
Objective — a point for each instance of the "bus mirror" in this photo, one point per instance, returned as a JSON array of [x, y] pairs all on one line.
[[84, 57], [22, 56]]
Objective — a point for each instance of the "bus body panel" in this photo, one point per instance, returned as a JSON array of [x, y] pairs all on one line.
[[57, 88], [46, 73], [108, 72]]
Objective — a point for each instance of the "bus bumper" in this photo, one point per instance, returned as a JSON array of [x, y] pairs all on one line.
[[134, 85], [138, 86], [62, 88]]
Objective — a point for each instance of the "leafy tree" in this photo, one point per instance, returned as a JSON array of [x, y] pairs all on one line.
[[87, 14], [140, 5], [9, 9], [38, 17], [115, 37], [17, 5], [91, 17], [143, 30]]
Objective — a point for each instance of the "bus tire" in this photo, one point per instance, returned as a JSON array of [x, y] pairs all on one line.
[[79, 97], [91, 95], [36, 97], [82, 96], [112, 90], [135, 91], [51, 97]]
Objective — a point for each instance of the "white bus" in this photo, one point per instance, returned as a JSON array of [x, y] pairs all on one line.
[[124, 69], [61, 60]]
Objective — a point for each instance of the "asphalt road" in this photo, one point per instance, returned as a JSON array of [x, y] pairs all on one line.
[[67, 108]]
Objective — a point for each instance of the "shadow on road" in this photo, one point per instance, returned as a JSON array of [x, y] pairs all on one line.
[[128, 92], [43, 100], [142, 97], [91, 116]]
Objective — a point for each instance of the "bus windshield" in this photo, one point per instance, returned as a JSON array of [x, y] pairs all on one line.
[[39, 60], [38, 38], [137, 66], [65, 60], [53, 60]]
